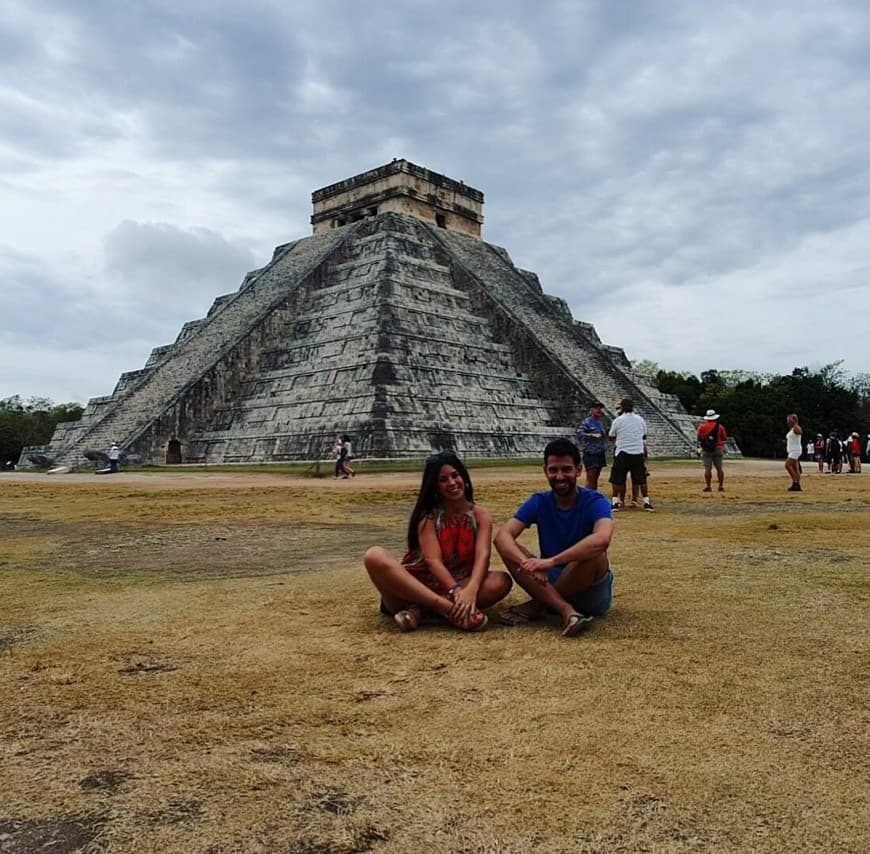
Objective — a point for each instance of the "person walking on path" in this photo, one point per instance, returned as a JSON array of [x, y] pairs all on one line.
[[712, 437], [336, 453], [344, 458], [114, 457], [592, 437], [794, 450], [572, 577]]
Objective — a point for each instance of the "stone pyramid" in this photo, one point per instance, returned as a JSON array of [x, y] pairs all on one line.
[[394, 323]]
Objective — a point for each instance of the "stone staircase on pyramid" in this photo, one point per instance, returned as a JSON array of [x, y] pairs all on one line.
[[182, 382], [389, 351], [567, 353]]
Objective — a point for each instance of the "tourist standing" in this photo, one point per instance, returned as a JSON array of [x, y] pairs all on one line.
[[628, 431], [794, 450], [820, 452], [855, 454], [834, 453], [592, 437], [712, 437], [114, 457]]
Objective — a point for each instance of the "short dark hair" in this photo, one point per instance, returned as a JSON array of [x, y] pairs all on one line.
[[597, 404], [562, 448], [626, 404]]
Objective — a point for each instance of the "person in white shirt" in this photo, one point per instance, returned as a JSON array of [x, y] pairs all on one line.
[[114, 457], [793, 449], [628, 431]]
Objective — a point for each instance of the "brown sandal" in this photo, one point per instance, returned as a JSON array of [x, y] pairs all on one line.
[[408, 619]]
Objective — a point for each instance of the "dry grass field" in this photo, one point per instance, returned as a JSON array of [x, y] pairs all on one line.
[[195, 662]]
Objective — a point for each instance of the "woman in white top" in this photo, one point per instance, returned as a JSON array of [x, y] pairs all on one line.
[[794, 449]]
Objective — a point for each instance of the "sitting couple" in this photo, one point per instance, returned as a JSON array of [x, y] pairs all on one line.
[[446, 569]]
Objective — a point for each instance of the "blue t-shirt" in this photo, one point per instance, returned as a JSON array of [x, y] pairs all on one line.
[[584, 434], [560, 529]]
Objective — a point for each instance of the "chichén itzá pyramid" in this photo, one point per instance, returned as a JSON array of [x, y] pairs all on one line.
[[396, 323]]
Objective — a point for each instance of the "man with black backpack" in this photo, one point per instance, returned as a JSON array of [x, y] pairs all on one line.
[[712, 437]]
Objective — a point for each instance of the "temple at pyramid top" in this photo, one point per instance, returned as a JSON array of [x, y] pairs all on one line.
[[395, 323], [399, 187]]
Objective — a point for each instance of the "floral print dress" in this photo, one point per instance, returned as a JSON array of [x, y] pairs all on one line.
[[456, 533]]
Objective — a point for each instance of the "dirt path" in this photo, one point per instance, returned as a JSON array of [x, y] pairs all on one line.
[[180, 479]]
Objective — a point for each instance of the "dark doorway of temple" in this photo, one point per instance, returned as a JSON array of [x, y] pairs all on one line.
[[173, 452]]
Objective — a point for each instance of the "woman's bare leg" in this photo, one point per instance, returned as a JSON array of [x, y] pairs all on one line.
[[398, 588], [495, 586]]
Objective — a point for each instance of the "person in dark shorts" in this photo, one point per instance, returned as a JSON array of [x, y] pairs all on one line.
[[572, 577], [628, 431]]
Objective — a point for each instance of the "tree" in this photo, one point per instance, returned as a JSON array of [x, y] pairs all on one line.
[[646, 367], [30, 422], [753, 406], [686, 387]]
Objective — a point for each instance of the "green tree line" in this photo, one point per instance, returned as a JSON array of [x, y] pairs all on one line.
[[30, 422], [753, 406]]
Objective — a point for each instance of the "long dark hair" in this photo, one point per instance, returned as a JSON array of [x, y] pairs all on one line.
[[427, 499]]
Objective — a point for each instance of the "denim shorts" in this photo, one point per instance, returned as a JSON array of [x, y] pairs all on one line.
[[594, 460], [597, 599]]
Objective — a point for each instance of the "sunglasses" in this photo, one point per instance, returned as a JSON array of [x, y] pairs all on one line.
[[441, 456]]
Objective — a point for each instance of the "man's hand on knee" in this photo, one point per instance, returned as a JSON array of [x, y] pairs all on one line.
[[537, 568]]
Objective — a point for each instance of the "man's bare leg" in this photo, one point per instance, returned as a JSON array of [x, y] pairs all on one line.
[[579, 576], [532, 609], [576, 577]]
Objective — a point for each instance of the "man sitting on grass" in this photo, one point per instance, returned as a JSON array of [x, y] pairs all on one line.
[[572, 578]]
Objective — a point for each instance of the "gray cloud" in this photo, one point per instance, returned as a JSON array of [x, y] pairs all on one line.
[[157, 263], [631, 153]]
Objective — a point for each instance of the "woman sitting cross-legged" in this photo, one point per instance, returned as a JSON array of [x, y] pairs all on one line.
[[446, 569]]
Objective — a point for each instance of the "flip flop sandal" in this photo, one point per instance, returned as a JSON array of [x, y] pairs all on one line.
[[575, 624]]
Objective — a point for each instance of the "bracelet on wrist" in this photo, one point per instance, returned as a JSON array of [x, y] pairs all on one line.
[[451, 593]]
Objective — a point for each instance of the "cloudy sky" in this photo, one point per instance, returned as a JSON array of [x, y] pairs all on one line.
[[693, 178]]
